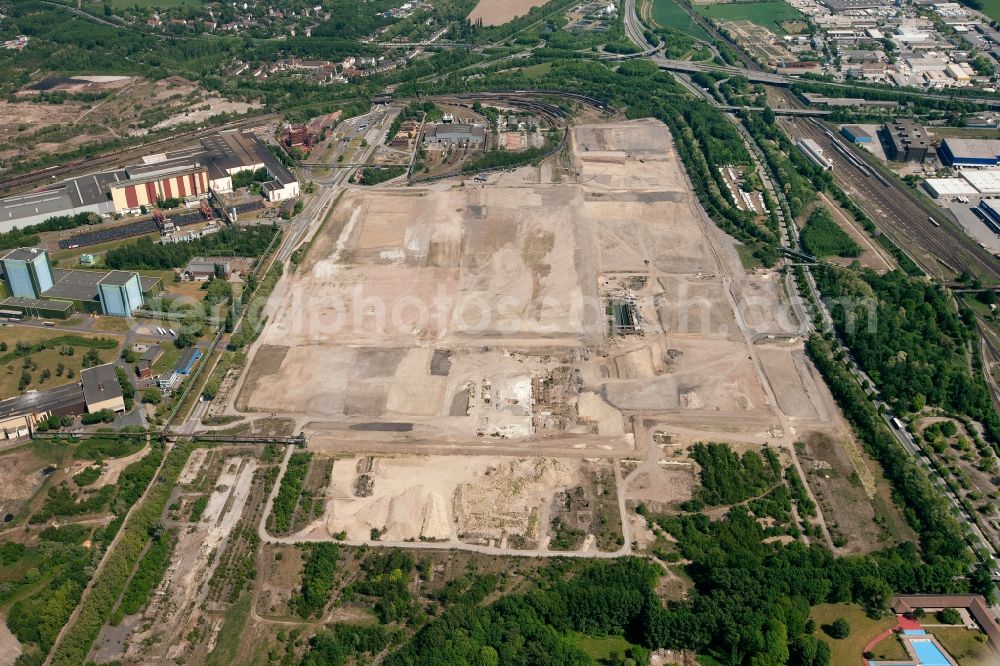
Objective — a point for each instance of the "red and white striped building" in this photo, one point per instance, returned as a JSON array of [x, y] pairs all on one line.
[[148, 183]]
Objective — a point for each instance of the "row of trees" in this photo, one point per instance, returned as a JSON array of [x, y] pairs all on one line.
[[97, 608], [287, 499], [144, 254]]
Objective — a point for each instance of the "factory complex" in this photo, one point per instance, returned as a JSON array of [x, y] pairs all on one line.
[[185, 175], [38, 289], [98, 389], [970, 152]]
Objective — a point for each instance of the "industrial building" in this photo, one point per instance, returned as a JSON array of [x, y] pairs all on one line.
[[187, 360], [455, 134], [86, 194], [970, 152], [185, 174], [28, 272], [37, 286], [101, 389], [968, 183], [949, 188], [989, 210], [18, 415], [905, 141], [814, 153], [180, 178], [838, 6], [203, 268], [42, 308], [120, 293], [97, 389], [229, 153], [855, 134]]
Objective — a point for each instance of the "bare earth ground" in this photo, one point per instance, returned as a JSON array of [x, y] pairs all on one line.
[[10, 647], [28, 126], [162, 631], [498, 12], [473, 319]]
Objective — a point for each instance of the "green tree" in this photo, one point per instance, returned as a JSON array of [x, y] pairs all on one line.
[[838, 629]]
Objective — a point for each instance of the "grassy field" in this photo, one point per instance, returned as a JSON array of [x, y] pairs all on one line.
[[963, 645], [966, 132], [769, 14], [10, 372], [600, 649], [168, 360], [668, 14], [991, 8], [232, 627], [541, 69], [863, 630]]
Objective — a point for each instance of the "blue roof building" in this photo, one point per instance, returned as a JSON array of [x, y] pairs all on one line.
[[970, 152], [187, 361], [855, 134]]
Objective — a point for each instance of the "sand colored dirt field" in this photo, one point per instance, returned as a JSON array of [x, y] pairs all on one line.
[[467, 356], [786, 366], [503, 279], [465, 314], [478, 499], [498, 12]]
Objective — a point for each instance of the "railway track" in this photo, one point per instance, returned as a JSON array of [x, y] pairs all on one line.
[[943, 250], [117, 157]]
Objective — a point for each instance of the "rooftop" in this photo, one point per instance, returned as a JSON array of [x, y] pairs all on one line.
[[856, 131], [100, 383], [117, 278], [23, 254], [36, 303], [984, 148], [93, 188], [42, 401], [150, 355]]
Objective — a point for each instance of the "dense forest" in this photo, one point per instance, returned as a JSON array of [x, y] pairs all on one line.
[[822, 237], [910, 338]]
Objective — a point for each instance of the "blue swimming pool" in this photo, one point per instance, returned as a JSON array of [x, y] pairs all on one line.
[[914, 632], [928, 653]]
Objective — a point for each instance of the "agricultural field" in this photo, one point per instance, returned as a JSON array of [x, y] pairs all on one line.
[[498, 12], [769, 14], [669, 14]]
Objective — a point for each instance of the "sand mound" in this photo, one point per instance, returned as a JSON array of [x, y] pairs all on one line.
[[503, 501], [436, 521]]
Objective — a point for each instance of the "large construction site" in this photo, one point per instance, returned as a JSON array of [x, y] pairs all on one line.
[[466, 352]]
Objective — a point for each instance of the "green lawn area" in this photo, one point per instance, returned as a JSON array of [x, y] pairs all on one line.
[[48, 359], [668, 14], [541, 69], [963, 646], [863, 630], [991, 8], [600, 649], [749, 261], [168, 360], [769, 14]]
